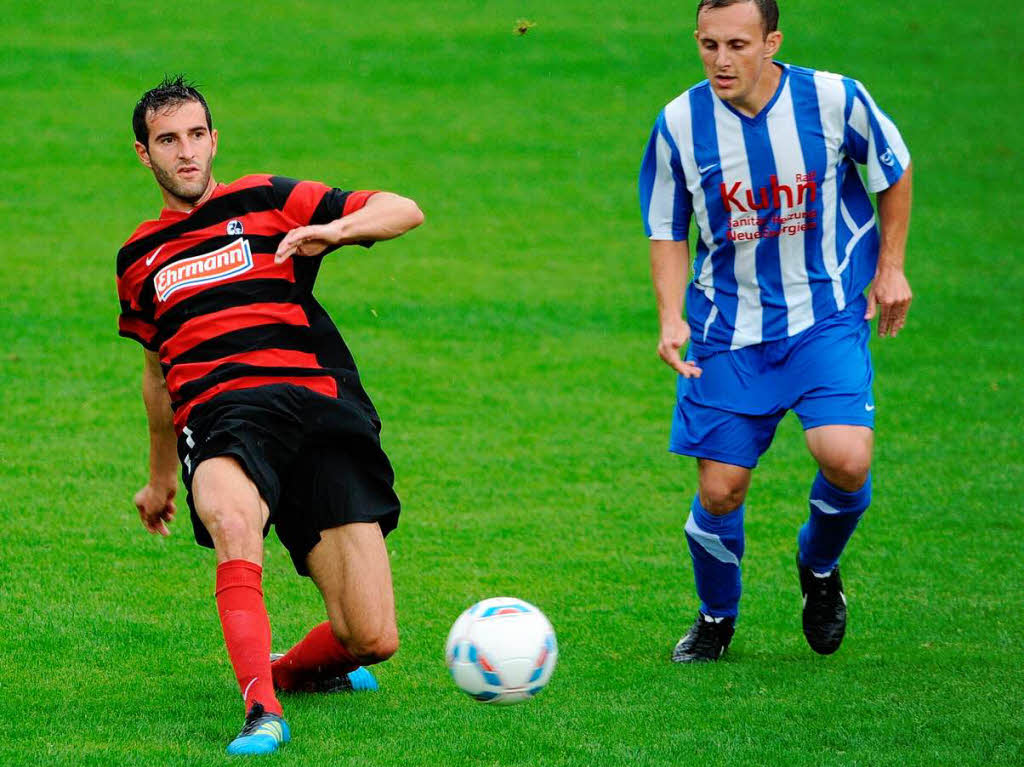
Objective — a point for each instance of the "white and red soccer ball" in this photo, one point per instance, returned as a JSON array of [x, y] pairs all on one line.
[[501, 650]]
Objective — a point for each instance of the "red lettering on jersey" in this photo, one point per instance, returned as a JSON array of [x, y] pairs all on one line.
[[764, 199], [771, 196], [778, 191], [729, 196], [811, 187]]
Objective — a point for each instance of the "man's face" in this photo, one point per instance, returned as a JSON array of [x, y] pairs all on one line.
[[180, 150], [734, 50]]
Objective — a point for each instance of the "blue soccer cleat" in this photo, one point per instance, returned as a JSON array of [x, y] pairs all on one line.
[[262, 733], [361, 679]]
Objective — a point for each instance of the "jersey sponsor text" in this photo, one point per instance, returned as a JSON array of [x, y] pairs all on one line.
[[228, 261], [770, 196]]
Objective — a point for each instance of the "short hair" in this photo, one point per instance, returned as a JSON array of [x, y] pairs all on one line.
[[170, 92], [769, 11]]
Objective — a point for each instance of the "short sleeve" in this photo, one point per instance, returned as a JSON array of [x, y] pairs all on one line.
[[665, 202], [310, 202], [872, 139], [134, 321]]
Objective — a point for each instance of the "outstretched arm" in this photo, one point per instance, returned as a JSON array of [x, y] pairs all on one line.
[[890, 289], [384, 216], [155, 501], [670, 262]]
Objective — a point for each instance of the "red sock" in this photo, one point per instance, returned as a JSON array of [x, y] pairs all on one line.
[[243, 616], [317, 656]]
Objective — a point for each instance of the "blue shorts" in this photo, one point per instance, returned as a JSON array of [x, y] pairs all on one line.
[[823, 374]]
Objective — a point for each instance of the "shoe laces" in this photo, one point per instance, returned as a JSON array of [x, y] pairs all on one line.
[[252, 719], [707, 636], [823, 591]]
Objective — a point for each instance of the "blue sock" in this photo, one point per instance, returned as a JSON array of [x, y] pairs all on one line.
[[716, 546], [834, 516]]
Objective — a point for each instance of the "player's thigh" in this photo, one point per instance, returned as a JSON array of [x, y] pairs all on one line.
[[351, 568], [230, 507], [843, 452], [721, 436], [832, 372], [720, 417]]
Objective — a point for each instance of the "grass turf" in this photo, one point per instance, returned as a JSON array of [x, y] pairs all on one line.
[[509, 345]]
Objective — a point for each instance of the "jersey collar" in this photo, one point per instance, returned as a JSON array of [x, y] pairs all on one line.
[[760, 116], [167, 214]]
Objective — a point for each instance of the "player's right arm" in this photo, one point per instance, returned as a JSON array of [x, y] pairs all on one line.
[[670, 263], [666, 208], [155, 501]]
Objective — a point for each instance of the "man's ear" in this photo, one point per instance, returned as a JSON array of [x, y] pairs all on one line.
[[143, 153], [772, 43]]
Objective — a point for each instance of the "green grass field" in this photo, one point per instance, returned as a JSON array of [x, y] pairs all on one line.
[[510, 347]]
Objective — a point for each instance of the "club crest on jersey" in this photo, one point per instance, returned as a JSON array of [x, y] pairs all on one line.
[[235, 226], [888, 158], [228, 261]]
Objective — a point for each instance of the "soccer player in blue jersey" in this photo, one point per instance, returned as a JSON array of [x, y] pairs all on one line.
[[790, 269]]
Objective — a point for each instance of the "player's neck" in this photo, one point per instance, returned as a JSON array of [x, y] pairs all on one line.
[[752, 104], [173, 202]]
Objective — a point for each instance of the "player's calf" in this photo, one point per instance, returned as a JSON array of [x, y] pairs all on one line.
[[323, 663], [369, 649], [356, 680]]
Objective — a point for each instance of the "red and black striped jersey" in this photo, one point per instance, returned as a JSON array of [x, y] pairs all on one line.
[[202, 290]]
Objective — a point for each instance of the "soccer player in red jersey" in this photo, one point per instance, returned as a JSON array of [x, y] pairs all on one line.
[[248, 383]]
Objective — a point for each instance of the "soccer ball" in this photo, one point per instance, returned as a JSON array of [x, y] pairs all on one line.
[[501, 650]]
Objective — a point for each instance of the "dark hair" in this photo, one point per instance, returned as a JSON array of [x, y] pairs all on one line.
[[171, 92], [769, 11]]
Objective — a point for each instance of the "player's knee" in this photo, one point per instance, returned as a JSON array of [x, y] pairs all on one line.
[[721, 497], [849, 471], [228, 523], [373, 648]]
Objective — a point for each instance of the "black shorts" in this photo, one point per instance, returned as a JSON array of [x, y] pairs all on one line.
[[316, 461]]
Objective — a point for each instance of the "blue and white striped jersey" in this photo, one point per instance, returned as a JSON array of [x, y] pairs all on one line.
[[786, 230]]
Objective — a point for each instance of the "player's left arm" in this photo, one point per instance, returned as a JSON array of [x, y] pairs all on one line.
[[890, 291], [384, 216]]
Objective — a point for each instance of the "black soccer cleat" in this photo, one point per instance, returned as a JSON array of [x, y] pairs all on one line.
[[824, 614], [359, 680], [706, 640]]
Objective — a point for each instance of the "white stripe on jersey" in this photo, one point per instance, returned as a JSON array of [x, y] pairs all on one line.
[[859, 120], [857, 233], [789, 162], [678, 118], [736, 168], [830, 90], [659, 219]]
